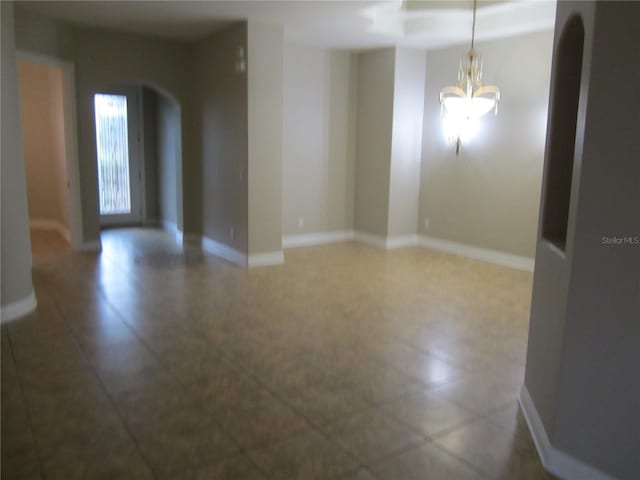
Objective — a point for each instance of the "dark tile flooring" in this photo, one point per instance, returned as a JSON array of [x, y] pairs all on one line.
[[150, 361]]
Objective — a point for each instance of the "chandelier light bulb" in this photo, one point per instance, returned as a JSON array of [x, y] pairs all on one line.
[[459, 128], [469, 107]]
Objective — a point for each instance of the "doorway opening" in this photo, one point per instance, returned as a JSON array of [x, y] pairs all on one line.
[[46, 153], [139, 157]]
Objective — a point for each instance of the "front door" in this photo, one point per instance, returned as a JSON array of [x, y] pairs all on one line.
[[118, 156]]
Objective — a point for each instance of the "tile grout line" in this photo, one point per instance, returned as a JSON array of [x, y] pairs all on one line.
[[112, 402], [28, 412], [463, 460], [275, 393], [310, 423], [158, 356], [114, 405], [372, 406]]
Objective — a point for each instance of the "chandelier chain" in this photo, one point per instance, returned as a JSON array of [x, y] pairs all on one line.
[[473, 27]]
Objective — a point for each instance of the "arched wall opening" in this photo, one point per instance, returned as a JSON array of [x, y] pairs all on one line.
[[148, 120]]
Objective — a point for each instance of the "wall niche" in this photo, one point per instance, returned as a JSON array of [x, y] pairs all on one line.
[[561, 139]]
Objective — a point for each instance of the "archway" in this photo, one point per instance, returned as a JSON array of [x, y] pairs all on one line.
[[138, 156]]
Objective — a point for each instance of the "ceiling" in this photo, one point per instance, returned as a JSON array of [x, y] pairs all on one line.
[[348, 24]]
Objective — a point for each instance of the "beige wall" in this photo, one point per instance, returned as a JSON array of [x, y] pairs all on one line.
[[44, 142], [488, 195], [265, 79], [406, 142], [373, 140], [391, 85], [15, 284], [221, 120], [318, 149], [56, 86]]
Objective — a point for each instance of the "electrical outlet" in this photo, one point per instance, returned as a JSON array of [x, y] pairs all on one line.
[[300, 222], [232, 233], [426, 223], [241, 60]]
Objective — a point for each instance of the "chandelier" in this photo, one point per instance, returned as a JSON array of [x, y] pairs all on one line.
[[463, 103]]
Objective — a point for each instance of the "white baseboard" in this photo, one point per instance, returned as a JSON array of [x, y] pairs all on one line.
[[554, 460], [224, 251], [370, 239], [402, 241], [478, 253], [320, 238], [18, 309], [46, 224], [234, 256], [172, 228], [265, 259], [92, 246], [191, 239], [390, 243]]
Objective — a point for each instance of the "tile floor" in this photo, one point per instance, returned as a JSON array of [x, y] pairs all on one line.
[[350, 362]]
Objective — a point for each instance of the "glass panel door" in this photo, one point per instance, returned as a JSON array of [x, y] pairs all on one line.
[[116, 149], [112, 144]]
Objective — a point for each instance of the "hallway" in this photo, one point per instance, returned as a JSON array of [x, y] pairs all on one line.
[[348, 361]]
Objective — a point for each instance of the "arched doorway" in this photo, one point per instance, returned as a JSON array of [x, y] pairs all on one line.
[[138, 157]]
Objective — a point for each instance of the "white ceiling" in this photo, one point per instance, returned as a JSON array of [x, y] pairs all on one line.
[[339, 24]]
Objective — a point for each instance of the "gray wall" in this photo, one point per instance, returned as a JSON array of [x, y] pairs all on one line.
[[16, 282], [265, 50], [318, 150], [221, 121], [583, 355], [105, 59], [168, 169], [406, 142], [373, 140], [39, 34], [150, 162], [213, 110], [488, 195], [550, 295]]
